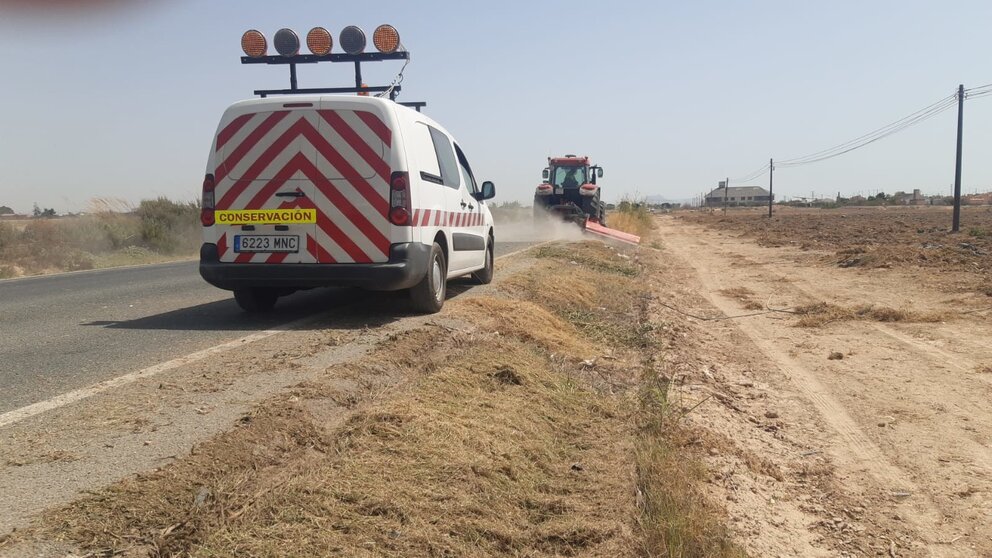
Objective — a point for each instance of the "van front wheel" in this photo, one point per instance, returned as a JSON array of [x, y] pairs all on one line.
[[256, 299], [427, 296], [485, 275]]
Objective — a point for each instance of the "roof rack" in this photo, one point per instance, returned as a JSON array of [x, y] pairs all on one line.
[[319, 41]]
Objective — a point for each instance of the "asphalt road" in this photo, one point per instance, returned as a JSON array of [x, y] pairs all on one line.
[[64, 332]]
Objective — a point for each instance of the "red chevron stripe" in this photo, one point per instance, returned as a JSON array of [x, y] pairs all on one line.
[[318, 251], [341, 239], [357, 143], [376, 125], [302, 203], [349, 173], [277, 182], [260, 164], [222, 245], [228, 132], [248, 144], [300, 163], [351, 213]]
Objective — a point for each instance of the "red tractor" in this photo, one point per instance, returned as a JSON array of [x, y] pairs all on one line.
[[569, 191]]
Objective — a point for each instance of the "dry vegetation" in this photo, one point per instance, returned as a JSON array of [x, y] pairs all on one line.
[[542, 427], [744, 296], [822, 313], [111, 234], [908, 237], [631, 217]]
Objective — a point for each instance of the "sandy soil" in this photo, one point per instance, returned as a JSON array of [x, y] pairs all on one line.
[[870, 438]]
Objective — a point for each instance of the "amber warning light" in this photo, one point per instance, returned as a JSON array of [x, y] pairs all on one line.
[[350, 46]]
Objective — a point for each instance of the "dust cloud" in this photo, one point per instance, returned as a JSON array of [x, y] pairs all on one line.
[[527, 230]]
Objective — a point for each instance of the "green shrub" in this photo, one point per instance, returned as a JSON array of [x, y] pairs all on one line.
[[7, 236], [167, 226]]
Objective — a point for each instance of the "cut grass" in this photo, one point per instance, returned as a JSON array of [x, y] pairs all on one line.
[[822, 313], [744, 296]]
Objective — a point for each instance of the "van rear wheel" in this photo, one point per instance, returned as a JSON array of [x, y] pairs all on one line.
[[256, 299], [427, 296]]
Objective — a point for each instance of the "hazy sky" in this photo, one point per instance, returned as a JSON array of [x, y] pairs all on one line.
[[669, 97]]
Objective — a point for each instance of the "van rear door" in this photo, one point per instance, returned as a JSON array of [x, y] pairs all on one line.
[[351, 190], [264, 189]]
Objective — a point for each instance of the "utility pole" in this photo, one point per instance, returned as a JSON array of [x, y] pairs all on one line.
[[771, 196], [726, 189], [956, 224]]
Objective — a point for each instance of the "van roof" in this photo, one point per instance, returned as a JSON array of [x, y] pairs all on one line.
[[350, 100]]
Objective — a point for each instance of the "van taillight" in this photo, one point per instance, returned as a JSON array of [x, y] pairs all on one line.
[[207, 202], [400, 205]]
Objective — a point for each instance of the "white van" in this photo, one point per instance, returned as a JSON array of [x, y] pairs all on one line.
[[311, 191]]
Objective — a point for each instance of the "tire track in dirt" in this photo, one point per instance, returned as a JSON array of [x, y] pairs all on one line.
[[854, 451], [924, 351]]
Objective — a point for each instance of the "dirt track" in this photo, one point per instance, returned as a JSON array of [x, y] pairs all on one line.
[[899, 414]]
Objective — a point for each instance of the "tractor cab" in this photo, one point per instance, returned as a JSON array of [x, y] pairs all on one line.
[[569, 190]]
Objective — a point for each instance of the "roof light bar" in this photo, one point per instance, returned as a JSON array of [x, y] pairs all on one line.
[[319, 41], [353, 39], [386, 39], [253, 43], [287, 42]]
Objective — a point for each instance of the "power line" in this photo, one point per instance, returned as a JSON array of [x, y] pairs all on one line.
[[752, 175], [875, 135]]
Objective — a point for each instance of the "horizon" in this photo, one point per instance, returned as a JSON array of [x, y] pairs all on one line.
[[669, 98]]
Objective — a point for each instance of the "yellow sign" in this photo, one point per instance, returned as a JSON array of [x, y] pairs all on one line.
[[266, 217]]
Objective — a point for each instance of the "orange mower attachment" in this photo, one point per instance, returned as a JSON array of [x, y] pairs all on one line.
[[597, 229]]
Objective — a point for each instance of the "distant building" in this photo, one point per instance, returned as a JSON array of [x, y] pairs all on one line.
[[737, 196], [904, 198], [977, 199]]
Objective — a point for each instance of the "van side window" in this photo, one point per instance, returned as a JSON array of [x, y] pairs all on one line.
[[421, 145], [466, 170], [445, 158]]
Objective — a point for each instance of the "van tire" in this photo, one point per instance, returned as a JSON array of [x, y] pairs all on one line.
[[256, 299], [485, 275], [427, 296]]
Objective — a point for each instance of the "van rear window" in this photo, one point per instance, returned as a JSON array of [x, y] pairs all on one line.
[[267, 142]]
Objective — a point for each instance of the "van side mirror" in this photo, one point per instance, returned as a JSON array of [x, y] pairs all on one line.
[[599, 172], [488, 191], [546, 174]]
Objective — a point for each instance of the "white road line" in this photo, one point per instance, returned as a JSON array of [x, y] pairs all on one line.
[[17, 415], [97, 270]]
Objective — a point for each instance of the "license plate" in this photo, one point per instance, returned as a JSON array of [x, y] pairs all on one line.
[[559, 191], [266, 243]]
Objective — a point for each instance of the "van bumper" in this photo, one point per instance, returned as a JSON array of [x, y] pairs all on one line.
[[407, 265]]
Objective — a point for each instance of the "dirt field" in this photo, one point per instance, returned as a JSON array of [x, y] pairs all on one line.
[[873, 237]]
